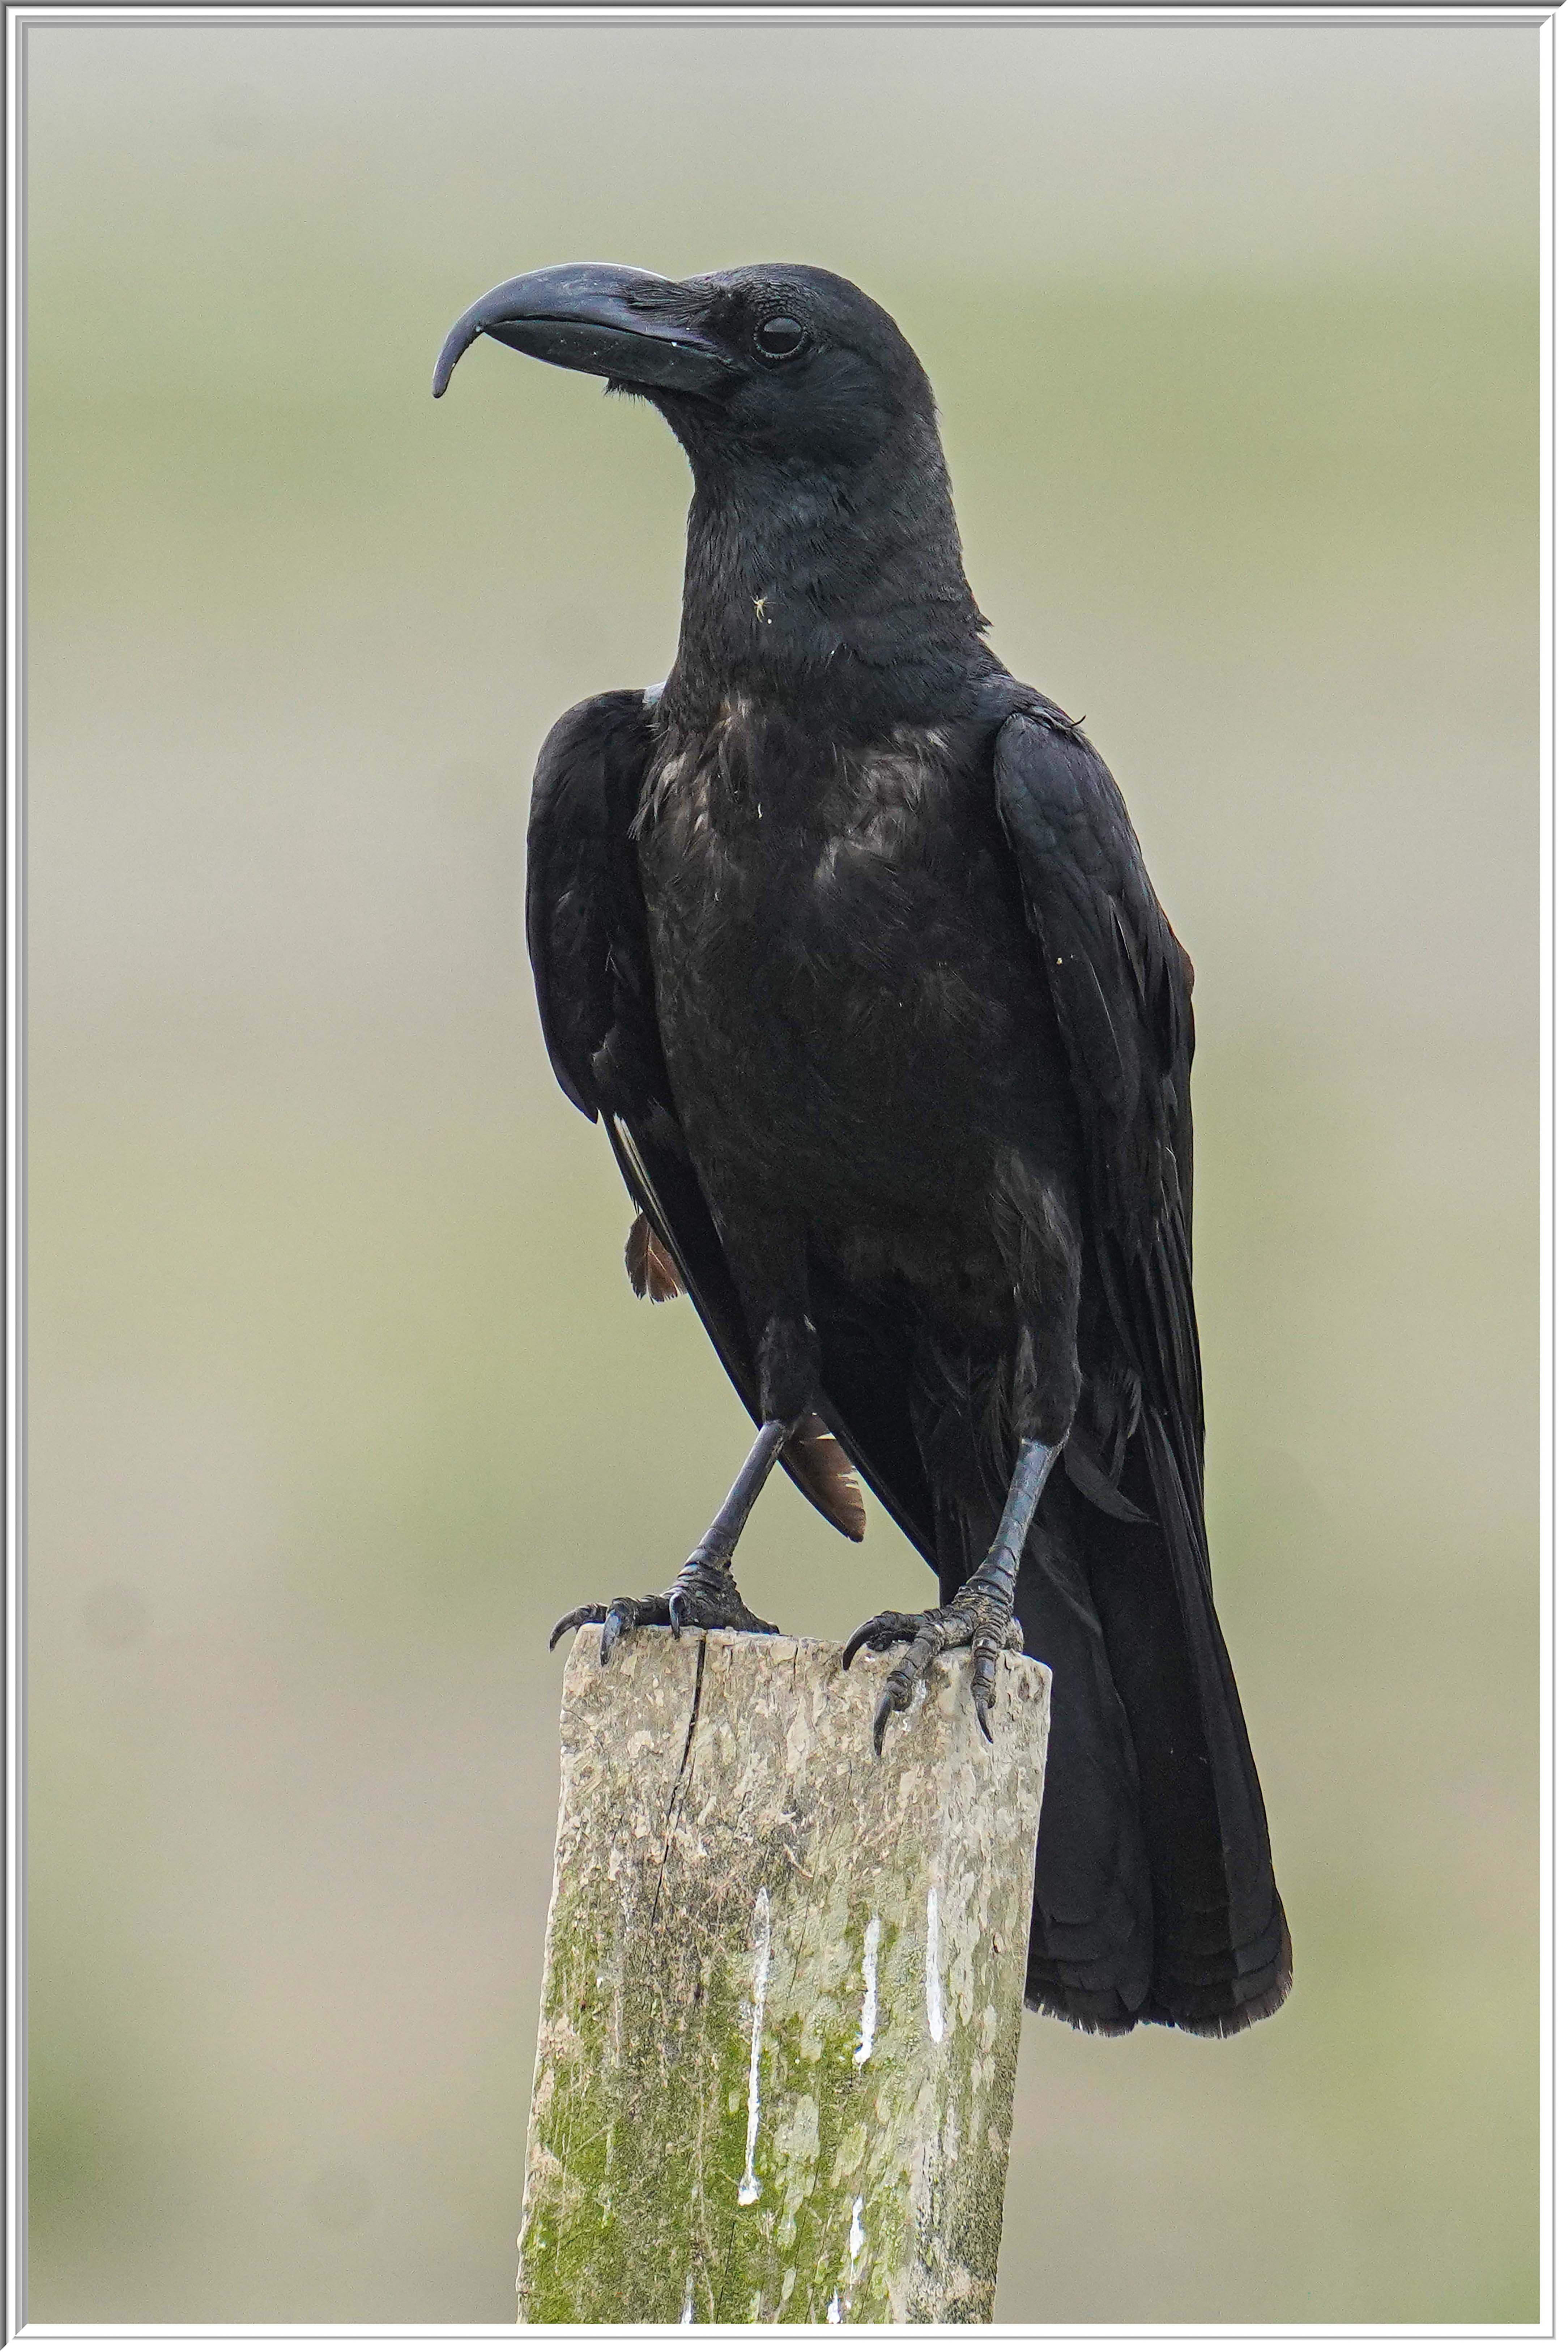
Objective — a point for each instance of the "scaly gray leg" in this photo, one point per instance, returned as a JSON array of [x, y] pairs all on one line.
[[705, 1593], [980, 1613]]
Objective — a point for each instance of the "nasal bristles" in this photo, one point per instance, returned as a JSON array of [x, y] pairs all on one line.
[[654, 1273], [822, 1468]]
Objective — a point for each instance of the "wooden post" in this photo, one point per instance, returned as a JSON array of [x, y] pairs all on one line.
[[783, 1989]]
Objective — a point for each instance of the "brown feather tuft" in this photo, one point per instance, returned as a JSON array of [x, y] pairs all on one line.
[[654, 1273], [822, 1467]]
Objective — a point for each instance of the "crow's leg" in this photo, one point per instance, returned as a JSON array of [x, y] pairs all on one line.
[[980, 1614], [768, 1262], [705, 1593]]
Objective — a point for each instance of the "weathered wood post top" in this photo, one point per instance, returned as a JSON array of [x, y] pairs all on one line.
[[782, 1988]]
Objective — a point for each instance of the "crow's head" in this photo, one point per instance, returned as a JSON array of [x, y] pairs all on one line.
[[775, 361], [822, 555]]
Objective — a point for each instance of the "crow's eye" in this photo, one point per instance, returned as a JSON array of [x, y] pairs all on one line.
[[780, 339]]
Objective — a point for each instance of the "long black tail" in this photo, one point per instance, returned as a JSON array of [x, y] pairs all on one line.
[[1154, 1894]]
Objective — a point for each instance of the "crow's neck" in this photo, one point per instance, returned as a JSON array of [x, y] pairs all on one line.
[[841, 600]]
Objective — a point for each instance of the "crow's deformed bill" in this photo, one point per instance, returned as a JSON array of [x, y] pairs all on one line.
[[845, 936]]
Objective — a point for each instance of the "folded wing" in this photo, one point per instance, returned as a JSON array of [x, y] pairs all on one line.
[[587, 941], [1120, 987]]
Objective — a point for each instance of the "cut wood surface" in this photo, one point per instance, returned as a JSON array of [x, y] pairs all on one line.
[[782, 1988]]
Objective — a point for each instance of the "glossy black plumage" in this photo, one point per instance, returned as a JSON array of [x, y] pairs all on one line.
[[845, 936]]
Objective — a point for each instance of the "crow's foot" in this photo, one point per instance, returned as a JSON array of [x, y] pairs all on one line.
[[978, 1617], [704, 1595]]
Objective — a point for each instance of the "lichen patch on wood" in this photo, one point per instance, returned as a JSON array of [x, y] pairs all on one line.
[[783, 1989]]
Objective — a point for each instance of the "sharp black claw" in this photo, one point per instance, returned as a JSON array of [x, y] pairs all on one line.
[[879, 1721], [677, 1613], [880, 1632], [983, 1715], [614, 1626], [570, 1622]]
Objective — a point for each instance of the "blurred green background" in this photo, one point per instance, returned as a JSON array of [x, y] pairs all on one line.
[[338, 1393]]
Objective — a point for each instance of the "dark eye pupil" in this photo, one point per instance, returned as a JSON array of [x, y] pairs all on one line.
[[779, 337]]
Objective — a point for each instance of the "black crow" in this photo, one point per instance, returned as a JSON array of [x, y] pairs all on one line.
[[845, 934]]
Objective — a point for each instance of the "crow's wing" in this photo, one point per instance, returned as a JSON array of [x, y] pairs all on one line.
[[1121, 986], [587, 941], [587, 935]]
